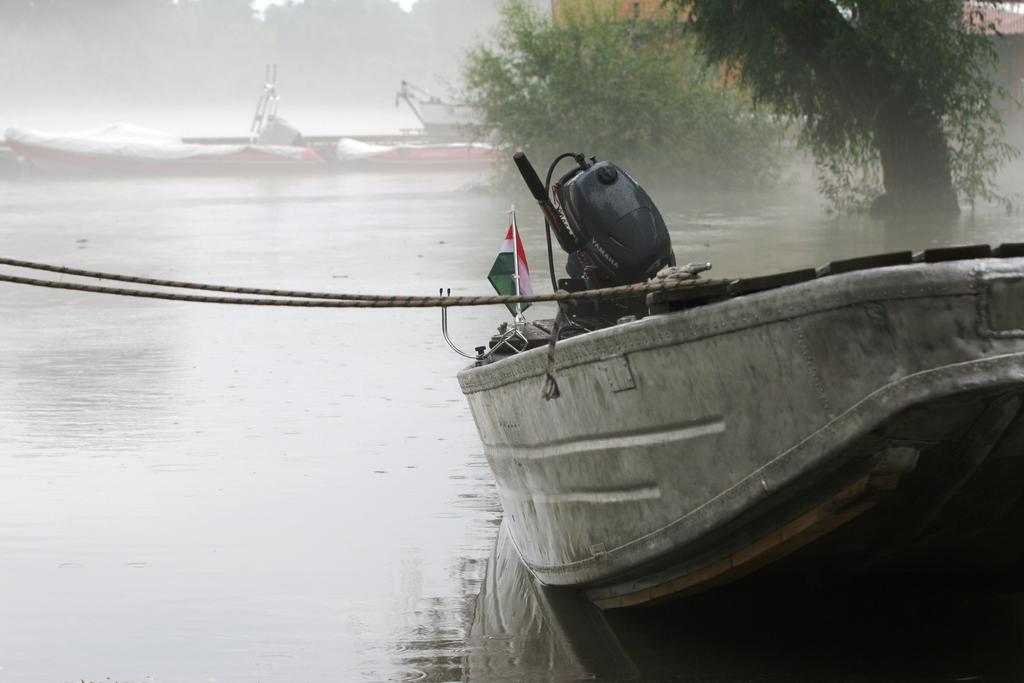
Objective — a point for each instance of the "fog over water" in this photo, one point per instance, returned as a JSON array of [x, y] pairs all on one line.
[[196, 67]]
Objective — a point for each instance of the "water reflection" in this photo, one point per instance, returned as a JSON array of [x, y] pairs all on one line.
[[754, 630], [522, 631]]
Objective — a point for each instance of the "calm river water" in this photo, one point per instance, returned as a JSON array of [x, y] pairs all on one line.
[[207, 493]]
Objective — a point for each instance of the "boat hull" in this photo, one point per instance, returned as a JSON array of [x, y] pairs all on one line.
[[252, 160], [439, 154], [691, 448], [416, 157]]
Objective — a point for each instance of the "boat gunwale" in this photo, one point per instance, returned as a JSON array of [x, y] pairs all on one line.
[[843, 290]]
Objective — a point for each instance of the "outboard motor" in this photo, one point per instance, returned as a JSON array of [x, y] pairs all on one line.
[[606, 223]]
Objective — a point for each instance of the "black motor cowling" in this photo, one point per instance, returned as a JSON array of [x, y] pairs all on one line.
[[604, 220], [617, 226]]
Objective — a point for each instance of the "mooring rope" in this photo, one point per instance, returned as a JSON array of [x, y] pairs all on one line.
[[321, 299], [178, 284]]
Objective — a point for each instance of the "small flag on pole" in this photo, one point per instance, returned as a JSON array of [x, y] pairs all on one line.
[[510, 276]]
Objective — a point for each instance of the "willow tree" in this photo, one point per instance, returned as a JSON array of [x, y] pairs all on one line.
[[904, 87]]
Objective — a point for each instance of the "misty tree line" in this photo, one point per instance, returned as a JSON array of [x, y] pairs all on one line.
[[897, 102], [59, 52]]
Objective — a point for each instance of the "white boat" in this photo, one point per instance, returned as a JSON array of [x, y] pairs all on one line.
[[122, 148]]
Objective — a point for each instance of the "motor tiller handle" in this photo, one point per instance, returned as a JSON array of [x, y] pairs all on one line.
[[564, 235], [533, 182]]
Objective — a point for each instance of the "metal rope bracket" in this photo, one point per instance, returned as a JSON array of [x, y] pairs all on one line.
[[515, 332]]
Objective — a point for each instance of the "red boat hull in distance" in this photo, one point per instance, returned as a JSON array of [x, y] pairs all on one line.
[[438, 155]]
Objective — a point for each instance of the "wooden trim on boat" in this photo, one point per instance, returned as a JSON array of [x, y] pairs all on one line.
[[845, 506]]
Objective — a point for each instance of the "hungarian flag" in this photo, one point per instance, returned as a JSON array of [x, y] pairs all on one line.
[[504, 268]]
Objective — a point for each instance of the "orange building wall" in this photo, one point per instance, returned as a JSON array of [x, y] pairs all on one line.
[[627, 9]]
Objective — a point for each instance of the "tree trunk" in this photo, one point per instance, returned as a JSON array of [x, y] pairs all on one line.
[[915, 162]]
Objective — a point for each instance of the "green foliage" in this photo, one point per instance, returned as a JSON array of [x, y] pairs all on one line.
[[634, 92], [853, 71], [850, 176]]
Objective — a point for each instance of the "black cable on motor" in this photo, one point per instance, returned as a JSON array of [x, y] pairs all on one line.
[[547, 224]]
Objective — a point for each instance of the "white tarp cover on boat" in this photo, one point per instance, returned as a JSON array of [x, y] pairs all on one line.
[[131, 141], [354, 150]]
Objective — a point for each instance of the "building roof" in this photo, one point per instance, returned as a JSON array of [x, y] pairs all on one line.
[[1007, 17]]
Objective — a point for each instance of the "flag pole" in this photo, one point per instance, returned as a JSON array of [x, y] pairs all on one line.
[[520, 320]]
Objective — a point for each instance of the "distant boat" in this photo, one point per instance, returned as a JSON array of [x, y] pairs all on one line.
[[440, 120], [274, 146], [446, 140], [351, 152], [126, 148]]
